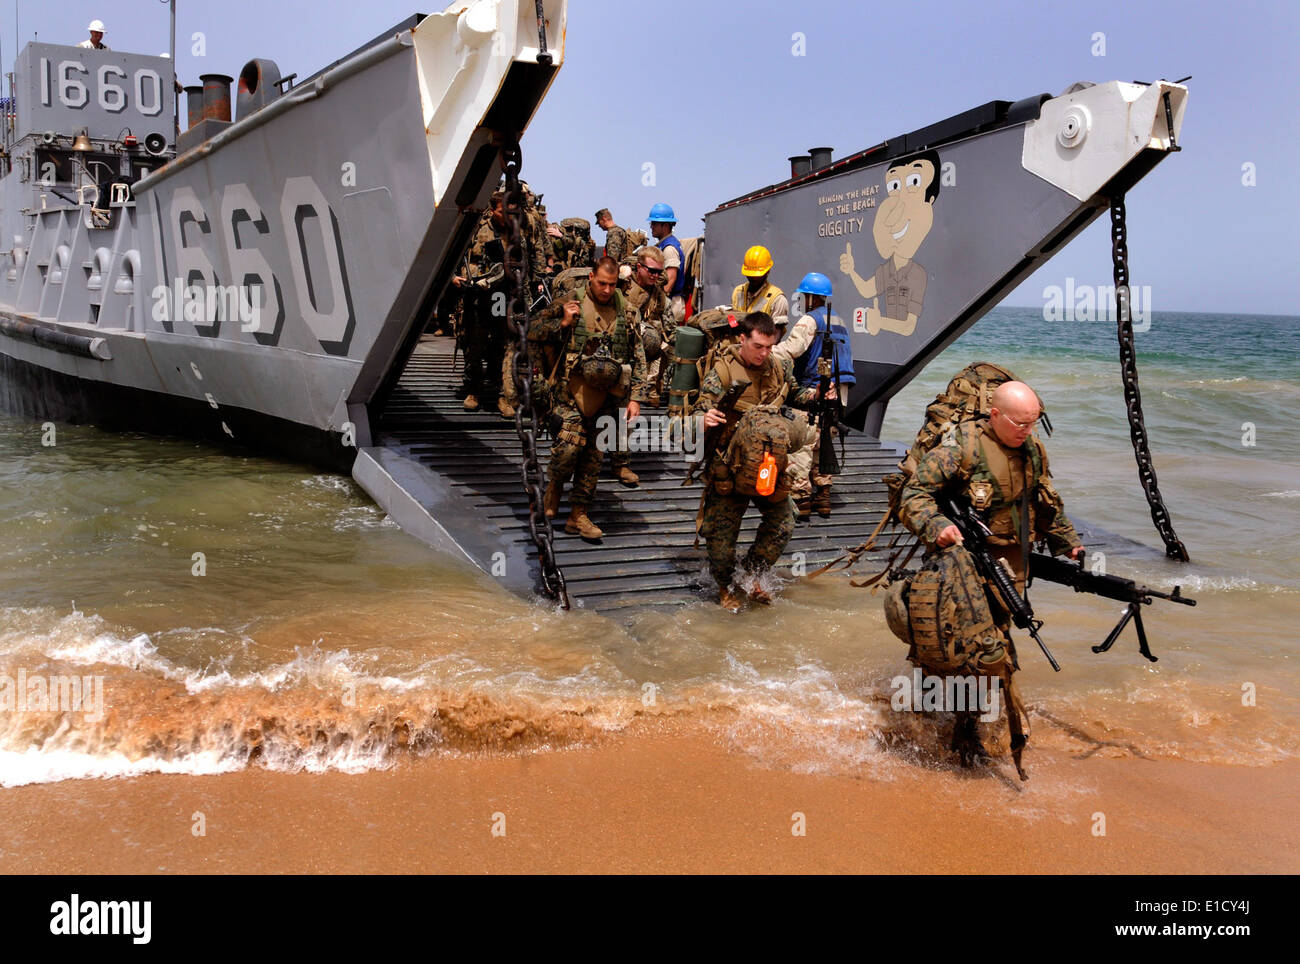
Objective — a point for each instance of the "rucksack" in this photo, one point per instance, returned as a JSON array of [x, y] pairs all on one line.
[[762, 429], [968, 397], [843, 353], [568, 281], [720, 330], [942, 612]]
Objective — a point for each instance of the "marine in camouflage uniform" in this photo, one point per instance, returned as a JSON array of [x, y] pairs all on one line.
[[651, 303], [483, 328], [644, 290], [1001, 469], [616, 246], [772, 382], [567, 331], [535, 261]]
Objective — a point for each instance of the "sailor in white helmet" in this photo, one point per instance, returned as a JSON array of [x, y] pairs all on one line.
[[96, 41]]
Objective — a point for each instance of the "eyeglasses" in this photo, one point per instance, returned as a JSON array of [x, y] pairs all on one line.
[[1030, 424], [650, 270]]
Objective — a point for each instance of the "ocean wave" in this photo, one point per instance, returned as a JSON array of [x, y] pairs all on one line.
[[1288, 494], [336, 710]]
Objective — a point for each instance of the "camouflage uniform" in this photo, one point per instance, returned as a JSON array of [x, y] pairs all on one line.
[[574, 453], [722, 514], [484, 334], [999, 481], [653, 306], [616, 243], [976, 460], [535, 247]]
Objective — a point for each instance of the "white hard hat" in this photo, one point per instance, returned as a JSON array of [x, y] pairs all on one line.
[[96, 26]]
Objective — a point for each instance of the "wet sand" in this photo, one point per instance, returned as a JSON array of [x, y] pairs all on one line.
[[664, 798]]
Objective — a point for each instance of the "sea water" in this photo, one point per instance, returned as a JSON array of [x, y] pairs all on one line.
[[239, 611]]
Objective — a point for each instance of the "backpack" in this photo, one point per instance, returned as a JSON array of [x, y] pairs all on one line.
[[761, 429], [577, 232], [968, 397], [942, 612], [719, 332], [568, 281], [842, 368]]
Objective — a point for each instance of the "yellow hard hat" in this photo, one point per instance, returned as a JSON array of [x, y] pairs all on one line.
[[758, 262]]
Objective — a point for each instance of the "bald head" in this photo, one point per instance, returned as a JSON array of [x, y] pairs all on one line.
[[1014, 413]]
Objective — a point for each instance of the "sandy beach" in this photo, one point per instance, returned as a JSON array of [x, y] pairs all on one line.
[[663, 798]]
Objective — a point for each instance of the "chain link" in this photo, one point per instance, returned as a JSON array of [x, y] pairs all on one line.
[[517, 319], [1174, 547]]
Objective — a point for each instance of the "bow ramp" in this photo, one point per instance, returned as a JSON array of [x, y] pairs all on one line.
[[453, 479]]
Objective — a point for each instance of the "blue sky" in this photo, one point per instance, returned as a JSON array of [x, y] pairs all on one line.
[[712, 95]]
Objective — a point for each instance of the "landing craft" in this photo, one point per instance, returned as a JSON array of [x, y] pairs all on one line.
[[309, 257]]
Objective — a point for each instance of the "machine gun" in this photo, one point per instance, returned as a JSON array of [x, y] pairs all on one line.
[[1042, 566], [714, 434], [975, 535], [827, 409]]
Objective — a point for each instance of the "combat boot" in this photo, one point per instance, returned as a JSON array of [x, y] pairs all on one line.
[[821, 501], [551, 499], [505, 408], [803, 508], [471, 403], [628, 477], [759, 595], [579, 525], [728, 600], [966, 741]]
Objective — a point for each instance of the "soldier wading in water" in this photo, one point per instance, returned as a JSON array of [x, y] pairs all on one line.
[[771, 384], [1000, 468]]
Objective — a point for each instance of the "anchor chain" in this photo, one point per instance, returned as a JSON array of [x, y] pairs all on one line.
[[518, 316], [1174, 547]]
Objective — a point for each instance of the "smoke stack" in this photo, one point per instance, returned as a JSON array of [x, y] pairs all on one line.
[[800, 165], [216, 96], [821, 157], [194, 103]]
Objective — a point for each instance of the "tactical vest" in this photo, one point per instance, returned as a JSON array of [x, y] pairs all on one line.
[[762, 301], [651, 304], [1001, 508], [618, 338], [767, 387]]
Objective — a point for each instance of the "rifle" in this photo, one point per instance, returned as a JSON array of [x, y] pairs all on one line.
[[713, 435], [1042, 566], [543, 298], [975, 535], [827, 409]]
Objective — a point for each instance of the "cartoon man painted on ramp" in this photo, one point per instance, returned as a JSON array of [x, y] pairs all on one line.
[[903, 221]]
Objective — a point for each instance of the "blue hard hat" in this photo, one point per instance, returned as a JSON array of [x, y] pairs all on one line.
[[815, 283], [662, 212]]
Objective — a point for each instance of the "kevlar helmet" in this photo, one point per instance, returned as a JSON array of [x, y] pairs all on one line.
[[599, 370]]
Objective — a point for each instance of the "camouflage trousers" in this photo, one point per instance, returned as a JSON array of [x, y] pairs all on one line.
[[801, 468], [509, 391], [484, 343], [574, 453], [959, 627], [720, 526]]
